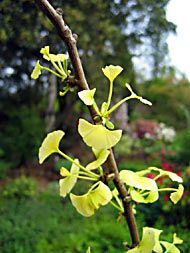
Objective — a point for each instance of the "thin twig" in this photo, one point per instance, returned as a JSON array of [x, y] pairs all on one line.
[[69, 38]]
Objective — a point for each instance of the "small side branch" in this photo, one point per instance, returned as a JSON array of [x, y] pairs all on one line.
[[70, 40]]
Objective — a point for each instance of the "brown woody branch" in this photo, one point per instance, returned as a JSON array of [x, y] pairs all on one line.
[[69, 38]]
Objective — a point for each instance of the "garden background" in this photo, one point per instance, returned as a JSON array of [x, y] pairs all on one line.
[[33, 216]]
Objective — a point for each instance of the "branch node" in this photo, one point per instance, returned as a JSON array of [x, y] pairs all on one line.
[[75, 36], [59, 11], [127, 199]]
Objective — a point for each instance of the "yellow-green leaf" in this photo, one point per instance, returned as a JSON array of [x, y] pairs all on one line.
[[87, 204], [66, 184], [64, 172], [36, 71], [151, 196], [176, 196], [101, 195], [45, 50], [55, 57], [50, 145], [88, 250], [157, 247], [147, 243], [109, 125], [97, 136], [87, 96], [111, 72], [133, 179], [173, 176], [82, 204], [62, 57], [101, 156], [170, 247], [177, 240]]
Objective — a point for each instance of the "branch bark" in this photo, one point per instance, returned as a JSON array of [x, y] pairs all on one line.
[[70, 40]]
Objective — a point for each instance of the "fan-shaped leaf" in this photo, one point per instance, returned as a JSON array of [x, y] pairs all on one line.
[[101, 195], [45, 50], [87, 96], [111, 72], [67, 184], [140, 182], [36, 71], [87, 204], [97, 136], [50, 145], [177, 240], [82, 204], [170, 247], [176, 196], [147, 243]]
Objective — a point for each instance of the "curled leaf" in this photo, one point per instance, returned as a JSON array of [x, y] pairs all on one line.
[[177, 240], [170, 247], [101, 156], [87, 96], [82, 204], [50, 145], [151, 196], [66, 184], [147, 243], [87, 204], [36, 71], [111, 72], [176, 196], [133, 179], [173, 176], [45, 51], [101, 195], [97, 136]]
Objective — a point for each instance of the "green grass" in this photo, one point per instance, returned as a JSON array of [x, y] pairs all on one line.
[[47, 225]]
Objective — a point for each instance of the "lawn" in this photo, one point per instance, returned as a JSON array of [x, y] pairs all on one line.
[[45, 223]]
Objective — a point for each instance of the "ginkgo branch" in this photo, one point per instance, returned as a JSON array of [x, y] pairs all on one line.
[[70, 41]]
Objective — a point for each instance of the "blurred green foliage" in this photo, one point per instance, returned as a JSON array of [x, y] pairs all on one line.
[[170, 99], [21, 134], [47, 224], [22, 187], [44, 224], [181, 146], [4, 165]]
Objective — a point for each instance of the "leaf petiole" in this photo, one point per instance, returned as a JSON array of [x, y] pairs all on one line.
[[116, 206], [92, 174], [53, 72], [120, 103], [110, 94]]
